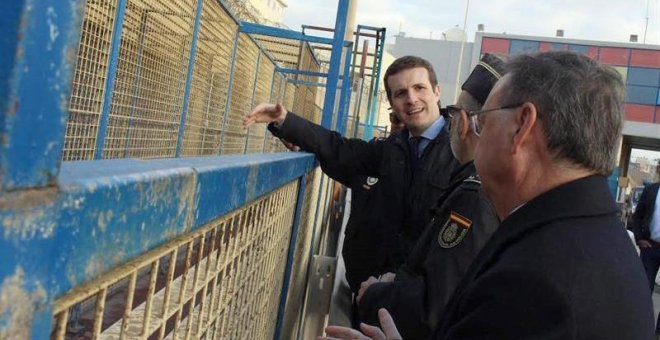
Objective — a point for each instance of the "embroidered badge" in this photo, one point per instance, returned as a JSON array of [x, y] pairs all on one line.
[[454, 230], [370, 182]]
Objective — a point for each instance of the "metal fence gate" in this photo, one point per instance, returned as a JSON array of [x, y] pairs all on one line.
[[132, 202]]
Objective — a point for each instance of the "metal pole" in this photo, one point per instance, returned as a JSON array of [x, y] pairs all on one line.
[[254, 94], [229, 89], [110, 79], [460, 55], [290, 256], [270, 100], [189, 76], [345, 96], [136, 86], [335, 60]]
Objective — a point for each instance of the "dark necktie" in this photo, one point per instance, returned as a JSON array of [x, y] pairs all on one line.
[[414, 150]]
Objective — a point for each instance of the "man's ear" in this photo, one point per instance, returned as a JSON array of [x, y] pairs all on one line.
[[436, 90], [525, 120], [464, 125]]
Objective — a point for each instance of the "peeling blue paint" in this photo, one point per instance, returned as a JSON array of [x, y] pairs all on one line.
[[37, 48], [108, 212]]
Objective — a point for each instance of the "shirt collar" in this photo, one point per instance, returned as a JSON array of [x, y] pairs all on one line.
[[434, 130]]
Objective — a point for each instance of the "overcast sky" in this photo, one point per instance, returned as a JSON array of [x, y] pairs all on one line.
[[604, 20]]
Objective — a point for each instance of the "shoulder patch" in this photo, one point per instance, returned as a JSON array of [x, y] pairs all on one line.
[[454, 231], [371, 181]]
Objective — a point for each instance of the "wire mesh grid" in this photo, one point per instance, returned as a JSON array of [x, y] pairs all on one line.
[[271, 143], [89, 80], [257, 132], [222, 281], [210, 82], [302, 248], [241, 96], [284, 51], [151, 73], [151, 76]]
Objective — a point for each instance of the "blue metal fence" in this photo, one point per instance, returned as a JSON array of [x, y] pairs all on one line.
[[103, 246]]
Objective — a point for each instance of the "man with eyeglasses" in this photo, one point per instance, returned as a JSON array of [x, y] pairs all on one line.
[[462, 223], [560, 265]]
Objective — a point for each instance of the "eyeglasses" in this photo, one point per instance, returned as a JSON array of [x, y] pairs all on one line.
[[476, 117]]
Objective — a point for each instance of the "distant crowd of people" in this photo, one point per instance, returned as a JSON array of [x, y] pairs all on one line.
[[490, 218]]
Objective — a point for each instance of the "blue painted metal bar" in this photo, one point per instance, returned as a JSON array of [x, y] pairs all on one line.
[[345, 96], [290, 258], [254, 94], [101, 208], [380, 46], [229, 89], [335, 60], [38, 39], [110, 79], [301, 72], [252, 28], [307, 83], [189, 76], [136, 85]]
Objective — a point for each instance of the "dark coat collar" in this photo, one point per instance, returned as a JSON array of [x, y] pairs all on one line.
[[588, 196]]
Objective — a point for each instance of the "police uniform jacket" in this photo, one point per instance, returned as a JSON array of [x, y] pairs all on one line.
[[402, 208], [463, 222], [559, 267]]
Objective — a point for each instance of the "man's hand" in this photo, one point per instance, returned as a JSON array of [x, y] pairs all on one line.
[[265, 113], [389, 331], [387, 277], [644, 244], [364, 286]]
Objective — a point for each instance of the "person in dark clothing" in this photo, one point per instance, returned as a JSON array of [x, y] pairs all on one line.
[[560, 266], [646, 227], [463, 222], [412, 167], [359, 243]]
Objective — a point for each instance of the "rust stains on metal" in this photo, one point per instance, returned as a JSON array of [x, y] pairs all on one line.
[[32, 213], [17, 306]]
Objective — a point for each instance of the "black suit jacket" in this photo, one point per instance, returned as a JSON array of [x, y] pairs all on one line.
[[644, 212], [403, 206], [560, 267]]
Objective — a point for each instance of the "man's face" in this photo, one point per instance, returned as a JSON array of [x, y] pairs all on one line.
[[414, 99], [492, 155], [462, 148]]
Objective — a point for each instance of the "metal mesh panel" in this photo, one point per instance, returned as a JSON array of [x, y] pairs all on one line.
[[257, 132], [301, 255], [241, 95], [284, 51], [289, 95], [210, 82], [271, 143], [89, 80], [222, 281], [148, 94]]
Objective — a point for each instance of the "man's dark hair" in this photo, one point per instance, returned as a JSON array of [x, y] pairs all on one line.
[[405, 63], [579, 103]]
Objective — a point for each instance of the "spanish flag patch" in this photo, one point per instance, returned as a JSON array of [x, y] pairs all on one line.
[[454, 230]]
